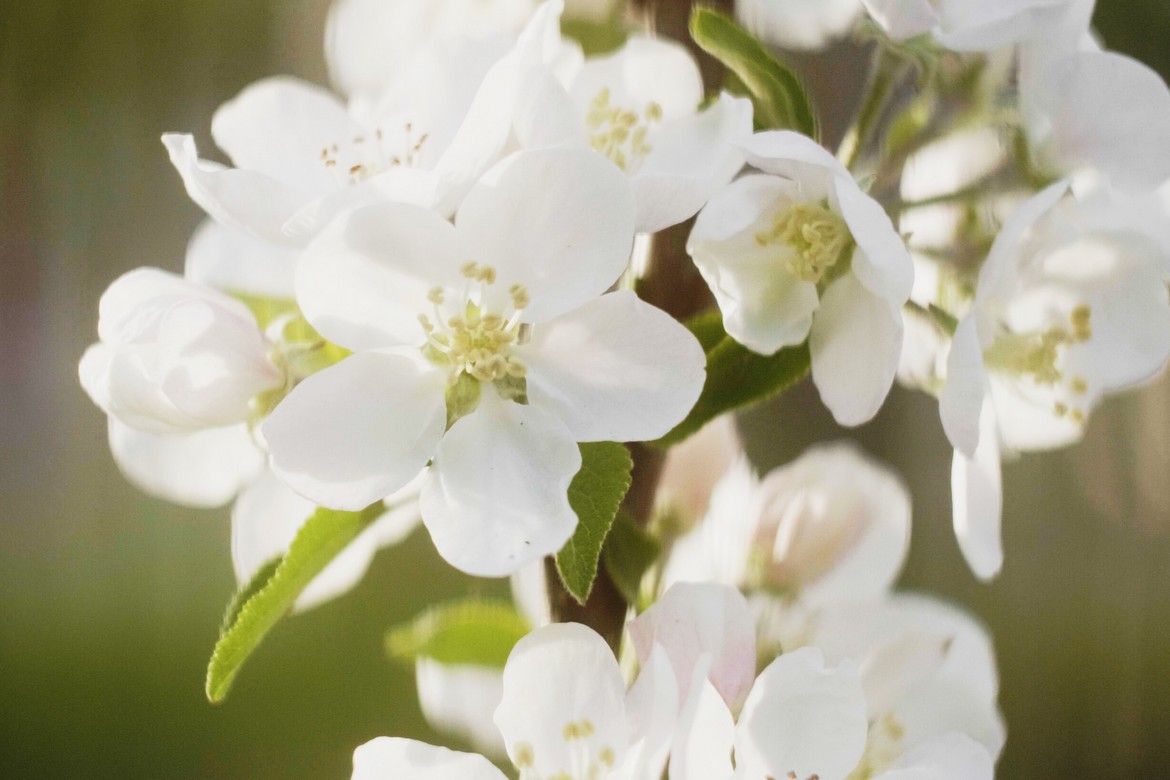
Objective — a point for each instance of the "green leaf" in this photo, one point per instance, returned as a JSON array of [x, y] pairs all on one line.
[[595, 494], [244, 594], [629, 552], [462, 632], [736, 377], [777, 95], [262, 603]]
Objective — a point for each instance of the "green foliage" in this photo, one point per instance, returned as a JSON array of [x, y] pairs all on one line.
[[264, 601], [628, 554], [779, 99], [736, 376], [461, 632], [595, 494]]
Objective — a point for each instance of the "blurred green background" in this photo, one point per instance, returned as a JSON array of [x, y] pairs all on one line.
[[110, 601]]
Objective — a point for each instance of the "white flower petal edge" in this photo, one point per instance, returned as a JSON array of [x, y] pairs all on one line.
[[798, 24], [389, 758], [563, 709], [954, 756], [856, 341], [802, 717], [696, 620], [496, 496], [705, 733], [202, 469], [238, 262], [977, 496], [357, 431], [615, 369]]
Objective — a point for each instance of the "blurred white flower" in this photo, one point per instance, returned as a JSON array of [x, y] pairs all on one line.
[[802, 252], [694, 467], [1071, 304], [799, 24], [969, 25], [490, 349]]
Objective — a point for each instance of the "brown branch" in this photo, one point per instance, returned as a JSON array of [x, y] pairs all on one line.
[[672, 284]]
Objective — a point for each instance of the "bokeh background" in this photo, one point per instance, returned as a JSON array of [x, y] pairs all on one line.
[[110, 601]]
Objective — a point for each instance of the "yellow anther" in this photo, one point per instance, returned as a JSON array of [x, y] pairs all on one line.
[[1080, 318], [1078, 385], [426, 323], [470, 269], [1077, 416], [519, 295], [653, 112], [817, 236], [435, 296], [1060, 409], [620, 134], [486, 274], [606, 756], [524, 756]]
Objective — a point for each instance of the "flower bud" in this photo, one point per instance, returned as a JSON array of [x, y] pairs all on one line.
[[175, 356]]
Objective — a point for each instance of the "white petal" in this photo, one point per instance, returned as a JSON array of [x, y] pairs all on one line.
[[977, 496], [235, 261], [691, 157], [705, 735], [881, 261], [797, 24], [653, 707], [856, 340], [764, 307], [692, 620], [559, 221], [797, 157], [562, 675], [615, 369], [954, 757], [363, 282], [244, 200], [460, 700], [387, 758], [202, 469], [842, 524], [694, 467], [644, 70], [961, 400], [802, 717], [279, 126], [1110, 112], [530, 593], [902, 19], [497, 494], [357, 431]]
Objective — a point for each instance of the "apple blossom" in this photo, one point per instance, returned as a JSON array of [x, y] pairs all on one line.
[[1071, 304], [485, 348], [175, 356], [302, 156], [639, 107], [968, 25], [801, 252]]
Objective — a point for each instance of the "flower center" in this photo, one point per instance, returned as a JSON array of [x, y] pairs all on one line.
[[817, 236], [473, 341], [585, 760], [1035, 355], [618, 133], [364, 156], [883, 746]]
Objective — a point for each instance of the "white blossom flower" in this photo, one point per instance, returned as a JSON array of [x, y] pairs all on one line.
[[1071, 304], [968, 25], [175, 355], [799, 24], [1095, 111], [801, 252], [302, 156], [484, 346], [639, 107], [832, 526], [694, 467]]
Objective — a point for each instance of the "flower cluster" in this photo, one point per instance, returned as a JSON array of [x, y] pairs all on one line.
[[450, 292]]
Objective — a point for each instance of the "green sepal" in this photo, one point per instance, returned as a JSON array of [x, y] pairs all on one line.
[[628, 554], [462, 397], [595, 494], [736, 376], [263, 602], [779, 99], [472, 631]]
